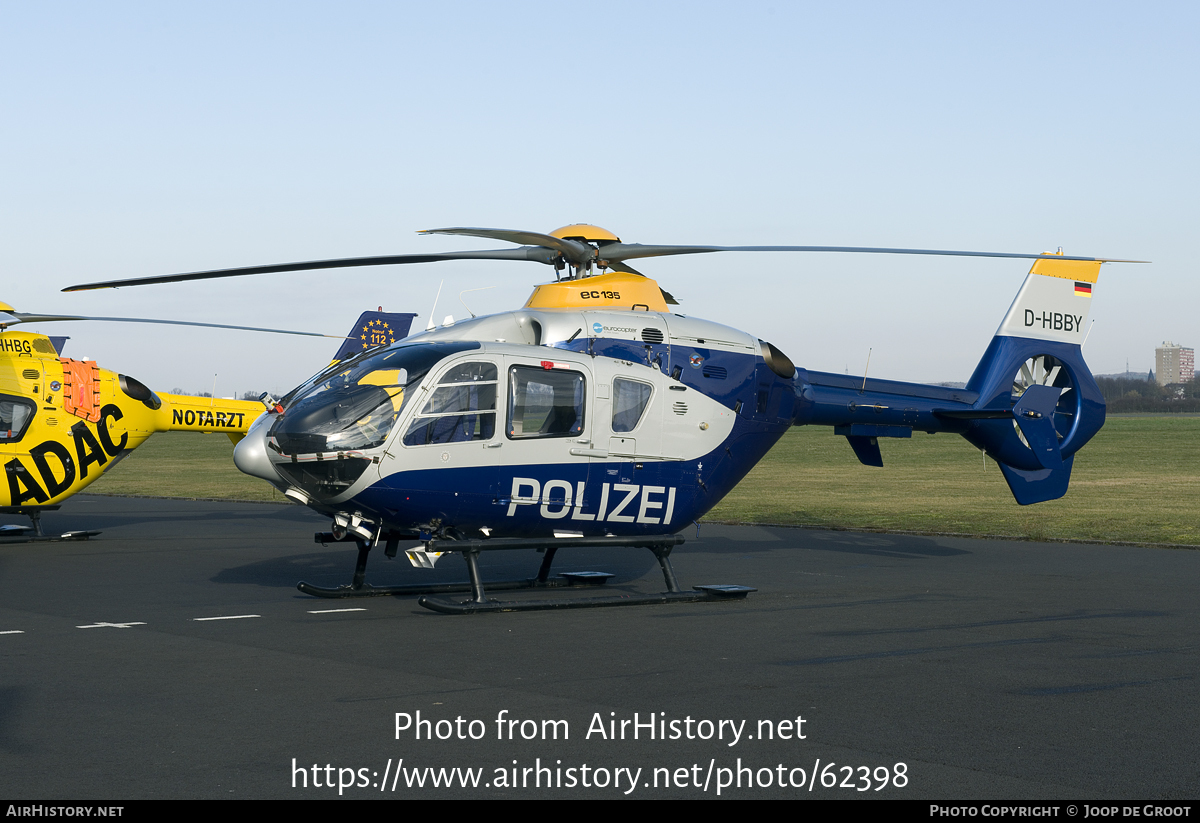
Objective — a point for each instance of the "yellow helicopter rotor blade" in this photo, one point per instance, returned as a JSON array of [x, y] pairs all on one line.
[[22, 317]]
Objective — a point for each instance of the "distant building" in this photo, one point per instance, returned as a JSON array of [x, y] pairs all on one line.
[[1174, 364]]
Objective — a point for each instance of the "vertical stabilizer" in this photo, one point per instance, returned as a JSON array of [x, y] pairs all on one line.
[[1054, 302], [1034, 366], [375, 328]]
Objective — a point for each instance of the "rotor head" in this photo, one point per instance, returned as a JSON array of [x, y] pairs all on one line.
[[585, 232]]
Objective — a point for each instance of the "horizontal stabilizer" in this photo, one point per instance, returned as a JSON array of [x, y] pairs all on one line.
[[1038, 486], [873, 430], [974, 414]]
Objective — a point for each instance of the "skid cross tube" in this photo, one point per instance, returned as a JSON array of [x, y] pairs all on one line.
[[472, 558], [547, 559], [360, 588], [660, 545]]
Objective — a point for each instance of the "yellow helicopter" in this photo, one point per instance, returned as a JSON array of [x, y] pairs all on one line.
[[64, 422]]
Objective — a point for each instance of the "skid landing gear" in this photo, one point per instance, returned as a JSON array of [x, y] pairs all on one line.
[[661, 545], [21, 534], [360, 588]]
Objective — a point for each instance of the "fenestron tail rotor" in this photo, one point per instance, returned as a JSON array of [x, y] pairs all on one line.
[[1045, 370], [581, 248]]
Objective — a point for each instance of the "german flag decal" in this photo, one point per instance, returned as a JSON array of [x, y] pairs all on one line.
[[1084, 289]]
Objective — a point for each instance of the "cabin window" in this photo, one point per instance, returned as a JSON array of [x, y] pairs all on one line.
[[630, 399], [15, 414], [545, 402], [461, 408]]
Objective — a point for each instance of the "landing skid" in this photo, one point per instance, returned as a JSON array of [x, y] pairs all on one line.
[[661, 545], [21, 534], [700, 594]]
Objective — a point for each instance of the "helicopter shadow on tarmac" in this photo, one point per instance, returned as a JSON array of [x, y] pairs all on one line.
[[743, 540], [110, 512]]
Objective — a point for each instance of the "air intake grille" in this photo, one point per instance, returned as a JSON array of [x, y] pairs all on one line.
[[31, 374], [716, 372], [679, 407], [652, 336]]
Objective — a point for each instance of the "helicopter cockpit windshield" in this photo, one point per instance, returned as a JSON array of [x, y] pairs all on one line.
[[354, 404]]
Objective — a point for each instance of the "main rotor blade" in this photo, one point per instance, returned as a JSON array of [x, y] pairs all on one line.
[[573, 250], [22, 317], [545, 248], [534, 253], [632, 251]]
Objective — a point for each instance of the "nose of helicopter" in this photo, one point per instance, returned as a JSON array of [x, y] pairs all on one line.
[[250, 454]]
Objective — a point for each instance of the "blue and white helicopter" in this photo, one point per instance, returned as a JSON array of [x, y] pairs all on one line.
[[595, 416]]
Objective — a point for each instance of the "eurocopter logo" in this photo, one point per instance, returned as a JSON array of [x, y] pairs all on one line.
[[600, 328], [557, 499]]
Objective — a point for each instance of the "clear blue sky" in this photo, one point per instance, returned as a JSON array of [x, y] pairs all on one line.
[[148, 138]]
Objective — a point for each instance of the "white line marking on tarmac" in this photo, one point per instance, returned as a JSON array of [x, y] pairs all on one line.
[[226, 617], [110, 625], [15, 631], [333, 611]]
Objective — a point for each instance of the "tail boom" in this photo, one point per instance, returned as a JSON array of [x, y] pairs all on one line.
[[1031, 403]]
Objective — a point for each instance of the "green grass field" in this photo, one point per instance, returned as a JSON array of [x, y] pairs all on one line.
[[1137, 481], [184, 464]]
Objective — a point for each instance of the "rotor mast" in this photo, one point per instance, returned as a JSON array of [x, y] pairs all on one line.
[[587, 242]]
